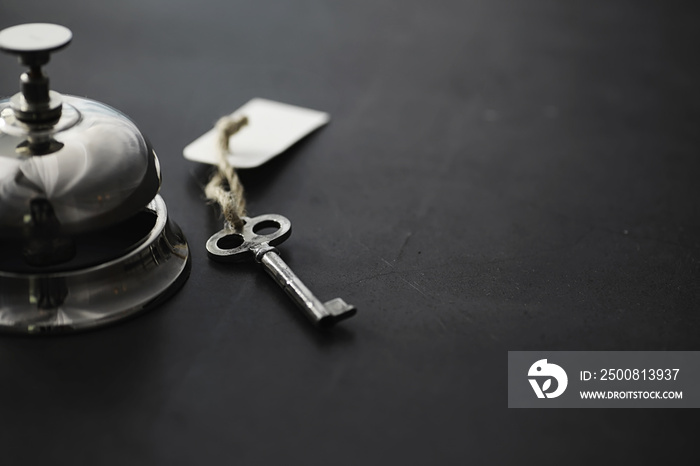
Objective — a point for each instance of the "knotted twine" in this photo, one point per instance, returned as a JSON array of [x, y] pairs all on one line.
[[225, 187]]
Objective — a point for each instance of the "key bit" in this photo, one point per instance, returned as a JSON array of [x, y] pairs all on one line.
[[251, 242]]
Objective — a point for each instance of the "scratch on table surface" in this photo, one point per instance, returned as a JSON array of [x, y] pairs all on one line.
[[403, 245], [387, 262], [393, 271], [370, 277], [414, 287]]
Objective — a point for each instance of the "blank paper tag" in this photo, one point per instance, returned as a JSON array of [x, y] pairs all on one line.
[[272, 128]]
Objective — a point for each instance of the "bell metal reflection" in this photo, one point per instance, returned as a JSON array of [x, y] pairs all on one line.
[[85, 238]]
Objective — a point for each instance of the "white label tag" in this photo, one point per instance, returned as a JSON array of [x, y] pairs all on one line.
[[272, 128]]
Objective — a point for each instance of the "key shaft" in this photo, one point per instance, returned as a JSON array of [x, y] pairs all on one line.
[[320, 314]]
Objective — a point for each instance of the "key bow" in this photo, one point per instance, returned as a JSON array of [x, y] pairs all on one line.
[[231, 245]]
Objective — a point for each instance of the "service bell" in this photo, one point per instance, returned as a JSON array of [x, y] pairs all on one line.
[[85, 238]]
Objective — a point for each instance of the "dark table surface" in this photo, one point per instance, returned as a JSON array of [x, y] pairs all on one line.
[[497, 175]]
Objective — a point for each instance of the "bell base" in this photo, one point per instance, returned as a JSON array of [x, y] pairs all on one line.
[[57, 302]]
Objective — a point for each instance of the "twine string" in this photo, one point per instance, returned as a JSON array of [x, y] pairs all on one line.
[[225, 187]]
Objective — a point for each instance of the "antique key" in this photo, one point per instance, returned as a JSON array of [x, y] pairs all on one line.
[[253, 242]]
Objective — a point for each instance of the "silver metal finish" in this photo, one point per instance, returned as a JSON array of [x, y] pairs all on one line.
[[254, 242], [99, 169], [93, 296], [84, 237], [33, 44], [34, 37], [84, 159]]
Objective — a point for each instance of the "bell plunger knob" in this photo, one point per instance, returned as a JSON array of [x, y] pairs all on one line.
[[33, 44]]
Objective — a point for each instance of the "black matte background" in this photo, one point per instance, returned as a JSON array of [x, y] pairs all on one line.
[[498, 175]]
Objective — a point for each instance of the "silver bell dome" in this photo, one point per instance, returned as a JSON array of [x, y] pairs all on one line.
[[93, 167], [85, 239]]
